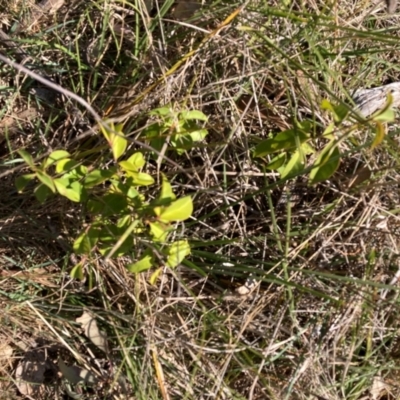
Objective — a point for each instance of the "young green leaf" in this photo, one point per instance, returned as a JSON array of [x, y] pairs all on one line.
[[276, 162], [328, 132], [198, 135], [387, 115], [193, 114], [118, 143], [66, 165], [85, 242], [108, 238], [116, 139], [143, 264], [167, 193], [46, 180], [22, 181], [165, 111], [114, 203], [159, 232], [77, 272], [339, 111], [71, 190], [154, 276], [294, 166], [307, 148], [42, 192], [326, 163], [127, 166], [124, 221], [177, 253], [140, 178], [56, 156], [26, 157], [179, 210], [286, 140], [137, 159], [98, 176]]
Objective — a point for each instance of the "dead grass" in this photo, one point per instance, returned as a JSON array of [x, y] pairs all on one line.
[[322, 319]]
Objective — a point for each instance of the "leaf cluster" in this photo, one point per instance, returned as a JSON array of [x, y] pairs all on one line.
[[122, 220]]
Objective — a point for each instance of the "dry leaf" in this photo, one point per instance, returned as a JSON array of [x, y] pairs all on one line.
[[6, 352], [247, 288], [379, 388], [92, 332]]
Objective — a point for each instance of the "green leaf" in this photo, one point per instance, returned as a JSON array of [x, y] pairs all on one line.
[[155, 275], [162, 111], [326, 105], [127, 166], [326, 163], [71, 190], [127, 188], [114, 204], [124, 222], [42, 192], [307, 148], [143, 264], [109, 237], [198, 135], [294, 166], [140, 178], [182, 142], [159, 231], [155, 132], [387, 115], [276, 162], [194, 114], [118, 143], [77, 272], [286, 140], [22, 181], [179, 210], [76, 173], [132, 193], [26, 157], [98, 176], [177, 253], [167, 193], [116, 139], [46, 180], [137, 159], [56, 156], [339, 111], [328, 132], [65, 165], [85, 242]]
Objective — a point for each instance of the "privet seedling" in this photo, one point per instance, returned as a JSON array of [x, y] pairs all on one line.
[[287, 150], [123, 221], [178, 129]]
